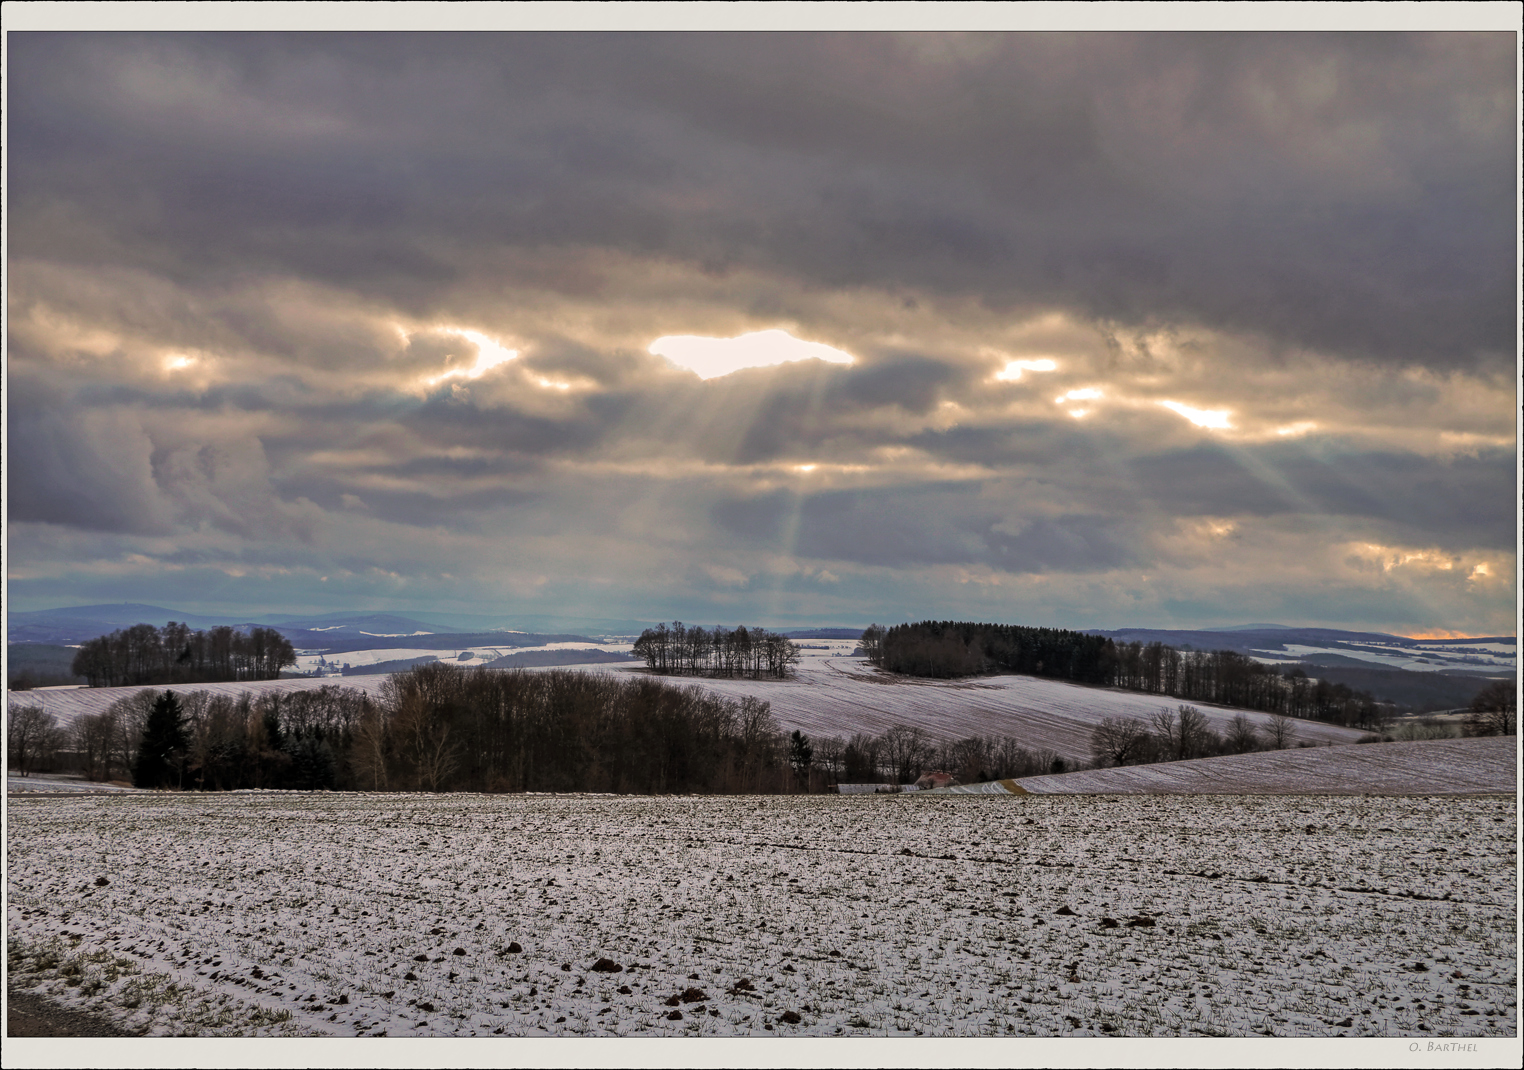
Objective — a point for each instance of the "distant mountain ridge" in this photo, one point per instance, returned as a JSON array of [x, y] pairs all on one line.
[[1279, 636], [76, 624]]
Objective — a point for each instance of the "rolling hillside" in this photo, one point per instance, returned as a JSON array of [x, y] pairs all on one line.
[[1432, 767], [836, 695]]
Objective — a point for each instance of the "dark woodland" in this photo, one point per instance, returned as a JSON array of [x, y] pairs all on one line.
[[951, 649], [176, 654]]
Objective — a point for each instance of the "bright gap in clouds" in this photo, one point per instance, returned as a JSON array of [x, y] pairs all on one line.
[[1014, 369], [714, 357], [1217, 418], [489, 354]]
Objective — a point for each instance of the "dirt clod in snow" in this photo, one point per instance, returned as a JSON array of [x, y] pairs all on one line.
[[513, 948], [607, 965]]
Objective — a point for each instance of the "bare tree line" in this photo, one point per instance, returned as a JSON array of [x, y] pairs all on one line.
[[902, 753], [440, 727], [1183, 733], [692, 651]]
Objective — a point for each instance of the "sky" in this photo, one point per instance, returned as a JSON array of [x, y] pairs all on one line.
[[1090, 330]]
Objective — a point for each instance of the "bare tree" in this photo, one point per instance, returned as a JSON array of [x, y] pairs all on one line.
[[369, 750], [1118, 742], [29, 733], [860, 758], [425, 741], [906, 750], [1166, 732], [1193, 732], [1182, 732], [1242, 736], [872, 643], [129, 716], [1280, 731], [1495, 710], [969, 759], [829, 753], [92, 734]]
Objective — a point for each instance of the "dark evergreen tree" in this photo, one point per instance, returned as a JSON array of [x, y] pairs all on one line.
[[312, 763], [161, 754], [800, 754]]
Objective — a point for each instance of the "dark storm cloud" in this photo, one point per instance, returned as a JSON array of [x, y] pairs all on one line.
[[1465, 500], [1017, 443], [1349, 192], [264, 290], [926, 525], [88, 471]]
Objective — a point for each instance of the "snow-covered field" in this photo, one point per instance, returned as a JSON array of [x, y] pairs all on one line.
[[418, 915], [57, 782], [1436, 657], [1432, 767], [311, 662], [833, 694], [67, 704]]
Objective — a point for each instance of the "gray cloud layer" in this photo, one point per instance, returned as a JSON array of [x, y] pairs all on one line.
[[241, 265]]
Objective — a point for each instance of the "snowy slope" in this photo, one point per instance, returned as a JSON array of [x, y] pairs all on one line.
[[1432, 767], [65, 704], [842, 695], [837, 695]]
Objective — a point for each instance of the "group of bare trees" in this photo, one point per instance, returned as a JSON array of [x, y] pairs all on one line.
[[32, 738], [1182, 733], [446, 727], [440, 727], [177, 654], [676, 650], [902, 753]]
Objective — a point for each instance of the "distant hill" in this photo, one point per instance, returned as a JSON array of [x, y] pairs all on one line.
[[332, 634], [76, 624], [337, 642], [1416, 692], [79, 623], [1248, 637], [384, 668], [32, 665], [536, 658]]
